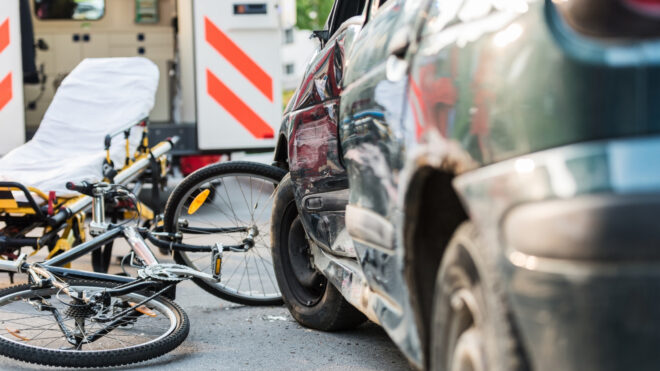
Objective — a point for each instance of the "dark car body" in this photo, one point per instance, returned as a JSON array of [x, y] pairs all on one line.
[[532, 120]]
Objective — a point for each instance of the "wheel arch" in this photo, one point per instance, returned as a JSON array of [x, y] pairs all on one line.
[[432, 213]]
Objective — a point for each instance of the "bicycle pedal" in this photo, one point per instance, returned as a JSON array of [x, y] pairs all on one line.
[[216, 261]]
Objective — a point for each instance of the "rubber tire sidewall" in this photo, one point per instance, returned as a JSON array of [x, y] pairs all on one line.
[[108, 358], [467, 264], [194, 180], [332, 312]]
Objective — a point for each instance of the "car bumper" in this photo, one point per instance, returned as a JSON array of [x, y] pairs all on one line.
[[577, 228], [586, 317]]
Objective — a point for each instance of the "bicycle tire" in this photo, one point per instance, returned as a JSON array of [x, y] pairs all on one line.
[[194, 181], [93, 358]]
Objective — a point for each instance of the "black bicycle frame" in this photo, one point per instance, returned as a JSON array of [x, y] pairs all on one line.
[[54, 264]]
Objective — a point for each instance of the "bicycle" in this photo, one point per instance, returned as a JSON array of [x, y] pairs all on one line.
[[73, 318]]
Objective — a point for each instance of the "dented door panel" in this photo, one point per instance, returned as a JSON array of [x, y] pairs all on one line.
[[373, 143], [310, 126]]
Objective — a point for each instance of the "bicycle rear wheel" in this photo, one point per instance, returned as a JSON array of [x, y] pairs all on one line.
[[235, 197], [31, 333]]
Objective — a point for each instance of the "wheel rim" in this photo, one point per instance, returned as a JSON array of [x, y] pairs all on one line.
[[468, 353], [305, 283], [22, 323], [235, 200], [464, 342]]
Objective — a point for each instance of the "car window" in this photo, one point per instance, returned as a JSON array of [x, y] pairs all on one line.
[[343, 10]]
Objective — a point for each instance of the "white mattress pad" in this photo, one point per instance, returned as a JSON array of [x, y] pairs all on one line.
[[98, 97]]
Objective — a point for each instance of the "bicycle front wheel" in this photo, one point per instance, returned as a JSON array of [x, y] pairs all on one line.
[[229, 203], [47, 327]]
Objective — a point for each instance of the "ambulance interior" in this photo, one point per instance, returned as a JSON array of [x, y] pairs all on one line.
[[68, 31]]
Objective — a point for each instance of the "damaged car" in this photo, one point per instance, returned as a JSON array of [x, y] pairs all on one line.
[[480, 178]]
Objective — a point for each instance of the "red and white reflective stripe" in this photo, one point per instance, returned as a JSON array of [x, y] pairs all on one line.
[[5, 80], [237, 108], [4, 35], [237, 57], [224, 96], [5, 91]]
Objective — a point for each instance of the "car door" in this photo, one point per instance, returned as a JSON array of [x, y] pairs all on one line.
[[313, 148], [373, 142]]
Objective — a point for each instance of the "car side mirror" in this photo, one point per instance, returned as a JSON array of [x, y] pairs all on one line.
[[322, 35]]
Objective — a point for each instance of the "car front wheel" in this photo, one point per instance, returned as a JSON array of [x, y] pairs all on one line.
[[308, 295]]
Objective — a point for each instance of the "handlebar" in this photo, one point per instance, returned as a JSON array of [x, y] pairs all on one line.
[[85, 188]]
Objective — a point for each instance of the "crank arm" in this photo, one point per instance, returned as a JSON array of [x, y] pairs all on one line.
[[193, 273]]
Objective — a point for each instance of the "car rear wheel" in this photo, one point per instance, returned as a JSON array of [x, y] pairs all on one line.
[[312, 301], [472, 327]]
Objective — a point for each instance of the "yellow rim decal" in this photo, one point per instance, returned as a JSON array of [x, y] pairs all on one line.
[[198, 201], [218, 264]]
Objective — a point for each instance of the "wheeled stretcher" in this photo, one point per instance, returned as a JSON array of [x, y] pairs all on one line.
[[94, 130]]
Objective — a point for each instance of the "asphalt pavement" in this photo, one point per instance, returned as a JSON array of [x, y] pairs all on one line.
[[227, 336]]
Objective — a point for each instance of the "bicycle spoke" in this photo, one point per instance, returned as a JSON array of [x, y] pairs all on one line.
[[245, 199], [263, 289], [243, 275]]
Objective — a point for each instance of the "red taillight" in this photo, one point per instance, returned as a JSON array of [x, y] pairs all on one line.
[[645, 7]]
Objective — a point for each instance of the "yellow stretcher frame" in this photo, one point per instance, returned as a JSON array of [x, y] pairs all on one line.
[[23, 217]]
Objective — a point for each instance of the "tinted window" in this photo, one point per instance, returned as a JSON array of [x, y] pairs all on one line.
[[80, 10], [343, 10]]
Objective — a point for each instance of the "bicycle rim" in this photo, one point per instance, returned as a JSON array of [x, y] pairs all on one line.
[[33, 335], [236, 199]]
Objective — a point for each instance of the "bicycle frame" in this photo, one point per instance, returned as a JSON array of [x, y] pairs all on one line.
[[135, 240], [54, 264], [41, 275]]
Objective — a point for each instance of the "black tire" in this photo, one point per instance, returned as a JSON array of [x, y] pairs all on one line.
[[469, 287], [311, 300], [93, 358], [189, 186]]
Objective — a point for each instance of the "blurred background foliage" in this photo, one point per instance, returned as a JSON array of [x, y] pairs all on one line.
[[312, 13]]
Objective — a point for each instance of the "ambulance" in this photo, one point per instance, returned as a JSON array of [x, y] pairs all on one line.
[[219, 61]]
